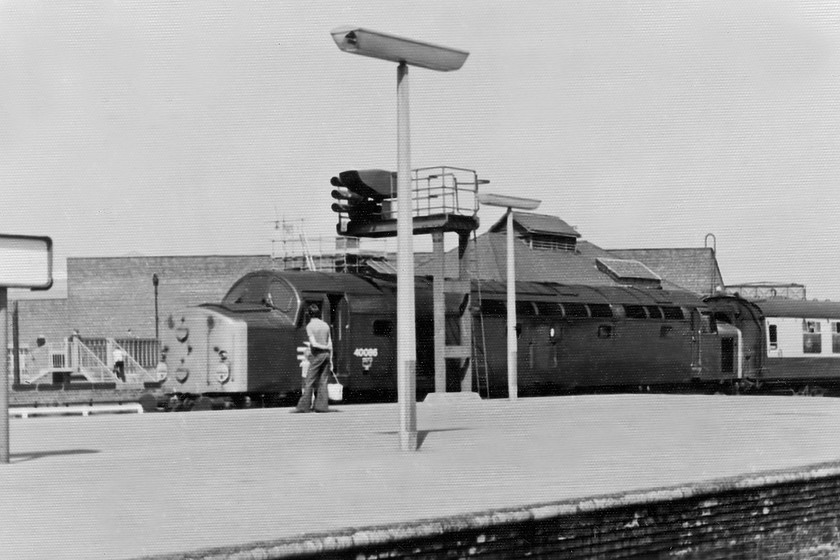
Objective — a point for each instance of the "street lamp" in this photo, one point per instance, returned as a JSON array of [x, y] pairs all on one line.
[[510, 202], [405, 52], [155, 282]]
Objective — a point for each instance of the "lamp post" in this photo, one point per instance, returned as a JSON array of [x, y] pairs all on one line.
[[510, 202], [155, 282], [405, 52]]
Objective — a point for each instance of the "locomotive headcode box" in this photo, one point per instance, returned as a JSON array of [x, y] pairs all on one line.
[[25, 261]]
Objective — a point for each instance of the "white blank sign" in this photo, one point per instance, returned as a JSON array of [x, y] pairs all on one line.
[[25, 261]]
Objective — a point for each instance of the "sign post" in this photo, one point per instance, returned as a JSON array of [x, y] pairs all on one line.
[[25, 262]]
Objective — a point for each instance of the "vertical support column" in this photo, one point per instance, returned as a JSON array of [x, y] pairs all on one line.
[[16, 345], [4, 377], [464, 256], [513, 383], [439, 306], [406, 344]]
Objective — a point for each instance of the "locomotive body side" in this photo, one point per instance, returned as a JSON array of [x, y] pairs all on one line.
[[583, 337]]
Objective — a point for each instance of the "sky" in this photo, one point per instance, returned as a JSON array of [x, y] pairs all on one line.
[[188, 127]]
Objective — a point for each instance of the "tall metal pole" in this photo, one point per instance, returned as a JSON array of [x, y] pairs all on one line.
[[406, 349], [513, 385], [155, 282], [4, 378]]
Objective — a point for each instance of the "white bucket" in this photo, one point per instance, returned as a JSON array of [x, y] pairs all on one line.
[[335, 391]]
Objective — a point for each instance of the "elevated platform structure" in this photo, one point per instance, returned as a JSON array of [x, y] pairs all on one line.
[[444, 199]]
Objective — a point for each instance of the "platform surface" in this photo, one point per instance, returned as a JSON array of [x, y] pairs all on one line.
[[127, 486]]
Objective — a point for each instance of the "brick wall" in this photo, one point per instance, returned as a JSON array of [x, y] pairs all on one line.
[[40, 317], [108, 296], [785, 516]]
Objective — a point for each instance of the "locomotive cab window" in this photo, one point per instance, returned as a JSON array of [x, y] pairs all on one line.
[[281, 296]]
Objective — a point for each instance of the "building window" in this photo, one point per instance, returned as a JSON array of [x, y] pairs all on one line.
[[773, 331], [811, 338]]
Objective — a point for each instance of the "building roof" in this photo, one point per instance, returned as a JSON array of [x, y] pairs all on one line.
[[566, 267], [541, 224], [694, 269]]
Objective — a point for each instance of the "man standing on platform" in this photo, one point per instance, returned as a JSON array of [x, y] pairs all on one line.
[[320, 346]]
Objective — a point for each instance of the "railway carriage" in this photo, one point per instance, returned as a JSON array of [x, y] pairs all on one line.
[[789, 344]]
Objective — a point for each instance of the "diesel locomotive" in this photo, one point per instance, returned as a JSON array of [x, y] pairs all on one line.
[[250, 345]]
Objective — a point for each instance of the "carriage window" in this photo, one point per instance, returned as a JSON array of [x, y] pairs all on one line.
[[665, 331], [835, 338], [635, 312], [654, 312], [575, 310], [383, 327], [602, 310], [773, 332], [549, 308], [811, 338], [673, 313], [604, 331]]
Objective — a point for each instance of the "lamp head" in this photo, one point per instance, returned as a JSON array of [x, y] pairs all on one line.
[[358, 40]]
